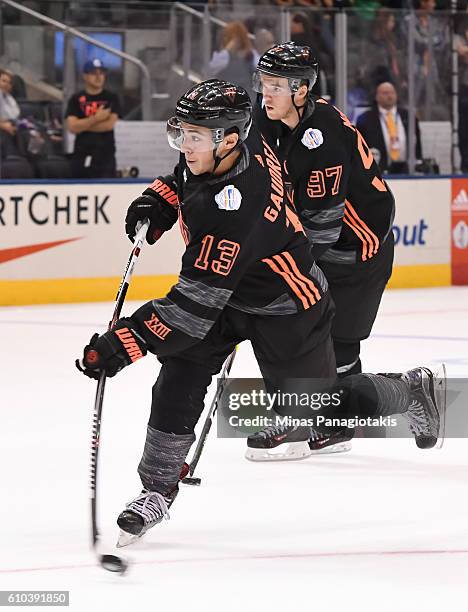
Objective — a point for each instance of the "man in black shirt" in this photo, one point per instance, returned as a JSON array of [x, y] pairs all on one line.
[[91, 115], [246, 274]]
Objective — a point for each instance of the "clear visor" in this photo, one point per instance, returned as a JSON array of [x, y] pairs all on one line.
[[187, 137], [270, 85]]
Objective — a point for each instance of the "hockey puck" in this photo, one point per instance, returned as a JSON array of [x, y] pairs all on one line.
[[112, 563], [192, 481]]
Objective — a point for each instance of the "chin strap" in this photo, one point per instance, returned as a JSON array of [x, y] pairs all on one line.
[[298, 108], [217, 160]]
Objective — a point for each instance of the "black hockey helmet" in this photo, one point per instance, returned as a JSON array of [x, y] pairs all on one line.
[[218, 105], [288, 60]]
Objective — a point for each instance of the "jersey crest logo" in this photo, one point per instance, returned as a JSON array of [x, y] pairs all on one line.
[[312, 138], [229, 198]]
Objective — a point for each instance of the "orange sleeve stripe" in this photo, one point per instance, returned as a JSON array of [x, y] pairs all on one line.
[[378, 184], [305, 288], [364, 227], [299, 274], [183, 231], [359, 234], [289, 281], [368, 238]]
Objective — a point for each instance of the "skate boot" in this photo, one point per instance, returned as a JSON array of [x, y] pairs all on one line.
[[279, 443], [144, 512], [325, 444], [426, 412]]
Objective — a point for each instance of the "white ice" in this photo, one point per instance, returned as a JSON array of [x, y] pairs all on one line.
[[382, 528]]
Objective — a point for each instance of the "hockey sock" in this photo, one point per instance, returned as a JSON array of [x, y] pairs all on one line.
[[347, 358], [163, 457], [393, 394]]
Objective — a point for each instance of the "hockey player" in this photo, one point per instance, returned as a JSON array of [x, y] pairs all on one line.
[[246, 273], [344, 205]]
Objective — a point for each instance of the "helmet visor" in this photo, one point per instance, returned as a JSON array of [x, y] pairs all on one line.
[[273, 85], [188, 137]]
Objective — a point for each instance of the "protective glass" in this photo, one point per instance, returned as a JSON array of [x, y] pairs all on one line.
[[271, 85], [192, 137]]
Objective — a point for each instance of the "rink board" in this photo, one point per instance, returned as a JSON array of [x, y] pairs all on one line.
[[65, 241]]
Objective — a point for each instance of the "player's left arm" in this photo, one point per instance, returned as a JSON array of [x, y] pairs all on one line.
[[212, 266]]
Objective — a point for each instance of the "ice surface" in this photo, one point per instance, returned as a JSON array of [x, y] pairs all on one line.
[[382, 528]]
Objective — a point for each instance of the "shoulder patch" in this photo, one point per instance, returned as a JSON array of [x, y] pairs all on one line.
[[229, 198], [312, 138]]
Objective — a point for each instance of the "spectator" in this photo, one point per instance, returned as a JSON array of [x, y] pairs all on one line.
[[235, 62], [432, 47], [461, 44], [386, 49], [91, 115], [264, 39], [385, 129], [301, 29], [9, 115]]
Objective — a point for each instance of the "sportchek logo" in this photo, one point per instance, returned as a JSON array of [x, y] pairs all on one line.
[[157, 327], [46, 208], [129, 343], [460, 202]]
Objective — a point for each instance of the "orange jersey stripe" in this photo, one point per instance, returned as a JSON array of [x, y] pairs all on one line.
[[289, 281], [299, 274], [365, 228], [305, 288]]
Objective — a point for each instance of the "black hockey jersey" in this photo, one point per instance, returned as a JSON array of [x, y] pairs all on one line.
[[347, 209], [245, 248]]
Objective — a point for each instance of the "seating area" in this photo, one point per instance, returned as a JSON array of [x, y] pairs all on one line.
[[40, 152]]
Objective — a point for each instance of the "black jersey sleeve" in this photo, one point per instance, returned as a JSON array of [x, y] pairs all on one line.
[[320, 192], [214, 262]]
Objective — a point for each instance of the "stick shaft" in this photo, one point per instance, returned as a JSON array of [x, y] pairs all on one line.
[[97, 414], [222, 381]]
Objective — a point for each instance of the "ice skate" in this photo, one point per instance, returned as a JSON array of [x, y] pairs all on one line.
[[279, 443], [426, 412], [327, 444], [144, 512]]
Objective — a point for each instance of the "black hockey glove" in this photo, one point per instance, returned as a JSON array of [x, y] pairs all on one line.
[[112, 351], [159, 204]]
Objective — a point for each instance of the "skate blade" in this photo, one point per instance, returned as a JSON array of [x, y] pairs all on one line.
[[440, 393], [125, 539], [290, 451], [341, 447]]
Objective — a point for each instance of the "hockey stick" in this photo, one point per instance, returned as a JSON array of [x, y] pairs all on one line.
[[112, 563], [189, 468]]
